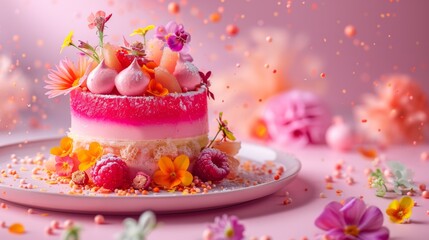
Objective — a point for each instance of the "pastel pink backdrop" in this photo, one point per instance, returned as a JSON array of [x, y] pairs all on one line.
[[391, 38]]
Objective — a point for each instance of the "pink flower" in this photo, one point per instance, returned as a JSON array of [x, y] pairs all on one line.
[[296, 117], [65, 166], [353, 220], [397, 113], [98, 20]]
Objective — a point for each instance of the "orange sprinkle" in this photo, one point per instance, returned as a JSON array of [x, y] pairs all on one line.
[[17, 228], [368, 153], [329, 186], [155, 189]]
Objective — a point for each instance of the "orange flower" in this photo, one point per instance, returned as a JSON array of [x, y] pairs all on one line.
[[87, 158], [400, 211], [65, 148], [156, 88], [68, 77], [172, 174]]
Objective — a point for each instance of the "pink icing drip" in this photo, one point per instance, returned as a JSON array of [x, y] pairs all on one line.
[[138, 111]]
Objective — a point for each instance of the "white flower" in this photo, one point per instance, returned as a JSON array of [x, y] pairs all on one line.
[[402, 177], [138, 230]]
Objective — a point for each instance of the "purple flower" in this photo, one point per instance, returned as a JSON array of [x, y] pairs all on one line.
[[176, 38], [226, 228], [296, 117], [353, 220]]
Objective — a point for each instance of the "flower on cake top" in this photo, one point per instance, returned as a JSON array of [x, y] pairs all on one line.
[[64, 149], [176, 38], [400, 211], [138, 230], [165, 58], [353, 220], [172, 174], [67, 76], [88, 158], [68, 41]]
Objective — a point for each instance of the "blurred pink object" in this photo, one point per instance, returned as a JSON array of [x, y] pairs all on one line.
[[340, 136], [264, 70], [13, 93], [398, 113], [296, 117]]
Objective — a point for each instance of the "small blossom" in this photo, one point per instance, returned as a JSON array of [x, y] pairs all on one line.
[[400, 211], [176, 38], [353, 220], [65, 166], [205, 81], [87, 158], [98, 20], [67, 41], [138, 230], [142, 31], [172, 174], [226, 228], [65, 148], [402, 177], [155, 88]]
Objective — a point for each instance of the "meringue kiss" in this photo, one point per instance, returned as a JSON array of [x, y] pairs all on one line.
[[102, 79], [187, 75], [132, 81]]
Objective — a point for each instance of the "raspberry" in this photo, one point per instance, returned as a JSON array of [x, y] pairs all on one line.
[[111, 172], [211, 165], [126, 59]]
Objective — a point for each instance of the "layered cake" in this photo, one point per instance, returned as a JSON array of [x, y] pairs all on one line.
[[138, 114]]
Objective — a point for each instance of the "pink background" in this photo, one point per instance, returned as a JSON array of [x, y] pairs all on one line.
[[308, 39]]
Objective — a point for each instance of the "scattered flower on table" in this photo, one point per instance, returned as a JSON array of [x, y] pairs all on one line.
[[400, 211], [400, 179], [71, 233], [397, 113], [138, 230], [225, 228], [296, 117], [353, 220], [65, 166]]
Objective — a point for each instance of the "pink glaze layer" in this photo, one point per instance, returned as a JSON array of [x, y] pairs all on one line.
[[141, 110]]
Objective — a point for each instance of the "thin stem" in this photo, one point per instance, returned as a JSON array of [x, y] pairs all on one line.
[[214, 139], [89, 55]]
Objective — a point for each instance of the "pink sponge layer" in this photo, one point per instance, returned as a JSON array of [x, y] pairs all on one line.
[[141, 110]]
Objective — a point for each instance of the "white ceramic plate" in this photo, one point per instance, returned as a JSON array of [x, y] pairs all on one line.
[[55, 197]]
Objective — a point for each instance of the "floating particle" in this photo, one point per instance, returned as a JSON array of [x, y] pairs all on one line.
[[15, 38], [323, 75], [364, 120], [350, 31], [232, 29], [49, 231], [425, 194], [215, 17], [274, 71], [422, 187], [424, 156], [266, 65], [237, 65], [173, 8], [220, 9], [269, 39], [368, 153], [17, 228]]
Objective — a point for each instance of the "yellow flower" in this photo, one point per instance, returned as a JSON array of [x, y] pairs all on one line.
[[142, 31], [87, 158], [67, 41], [65, 148], [401, 210], [172, 174]]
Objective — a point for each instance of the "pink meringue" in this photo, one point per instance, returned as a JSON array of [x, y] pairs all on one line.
[[340, 136], [132, 81], [187, 75], [102, 79], [296, 117]]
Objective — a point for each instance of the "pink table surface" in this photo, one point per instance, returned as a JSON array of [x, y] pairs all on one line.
[[266, 216]]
